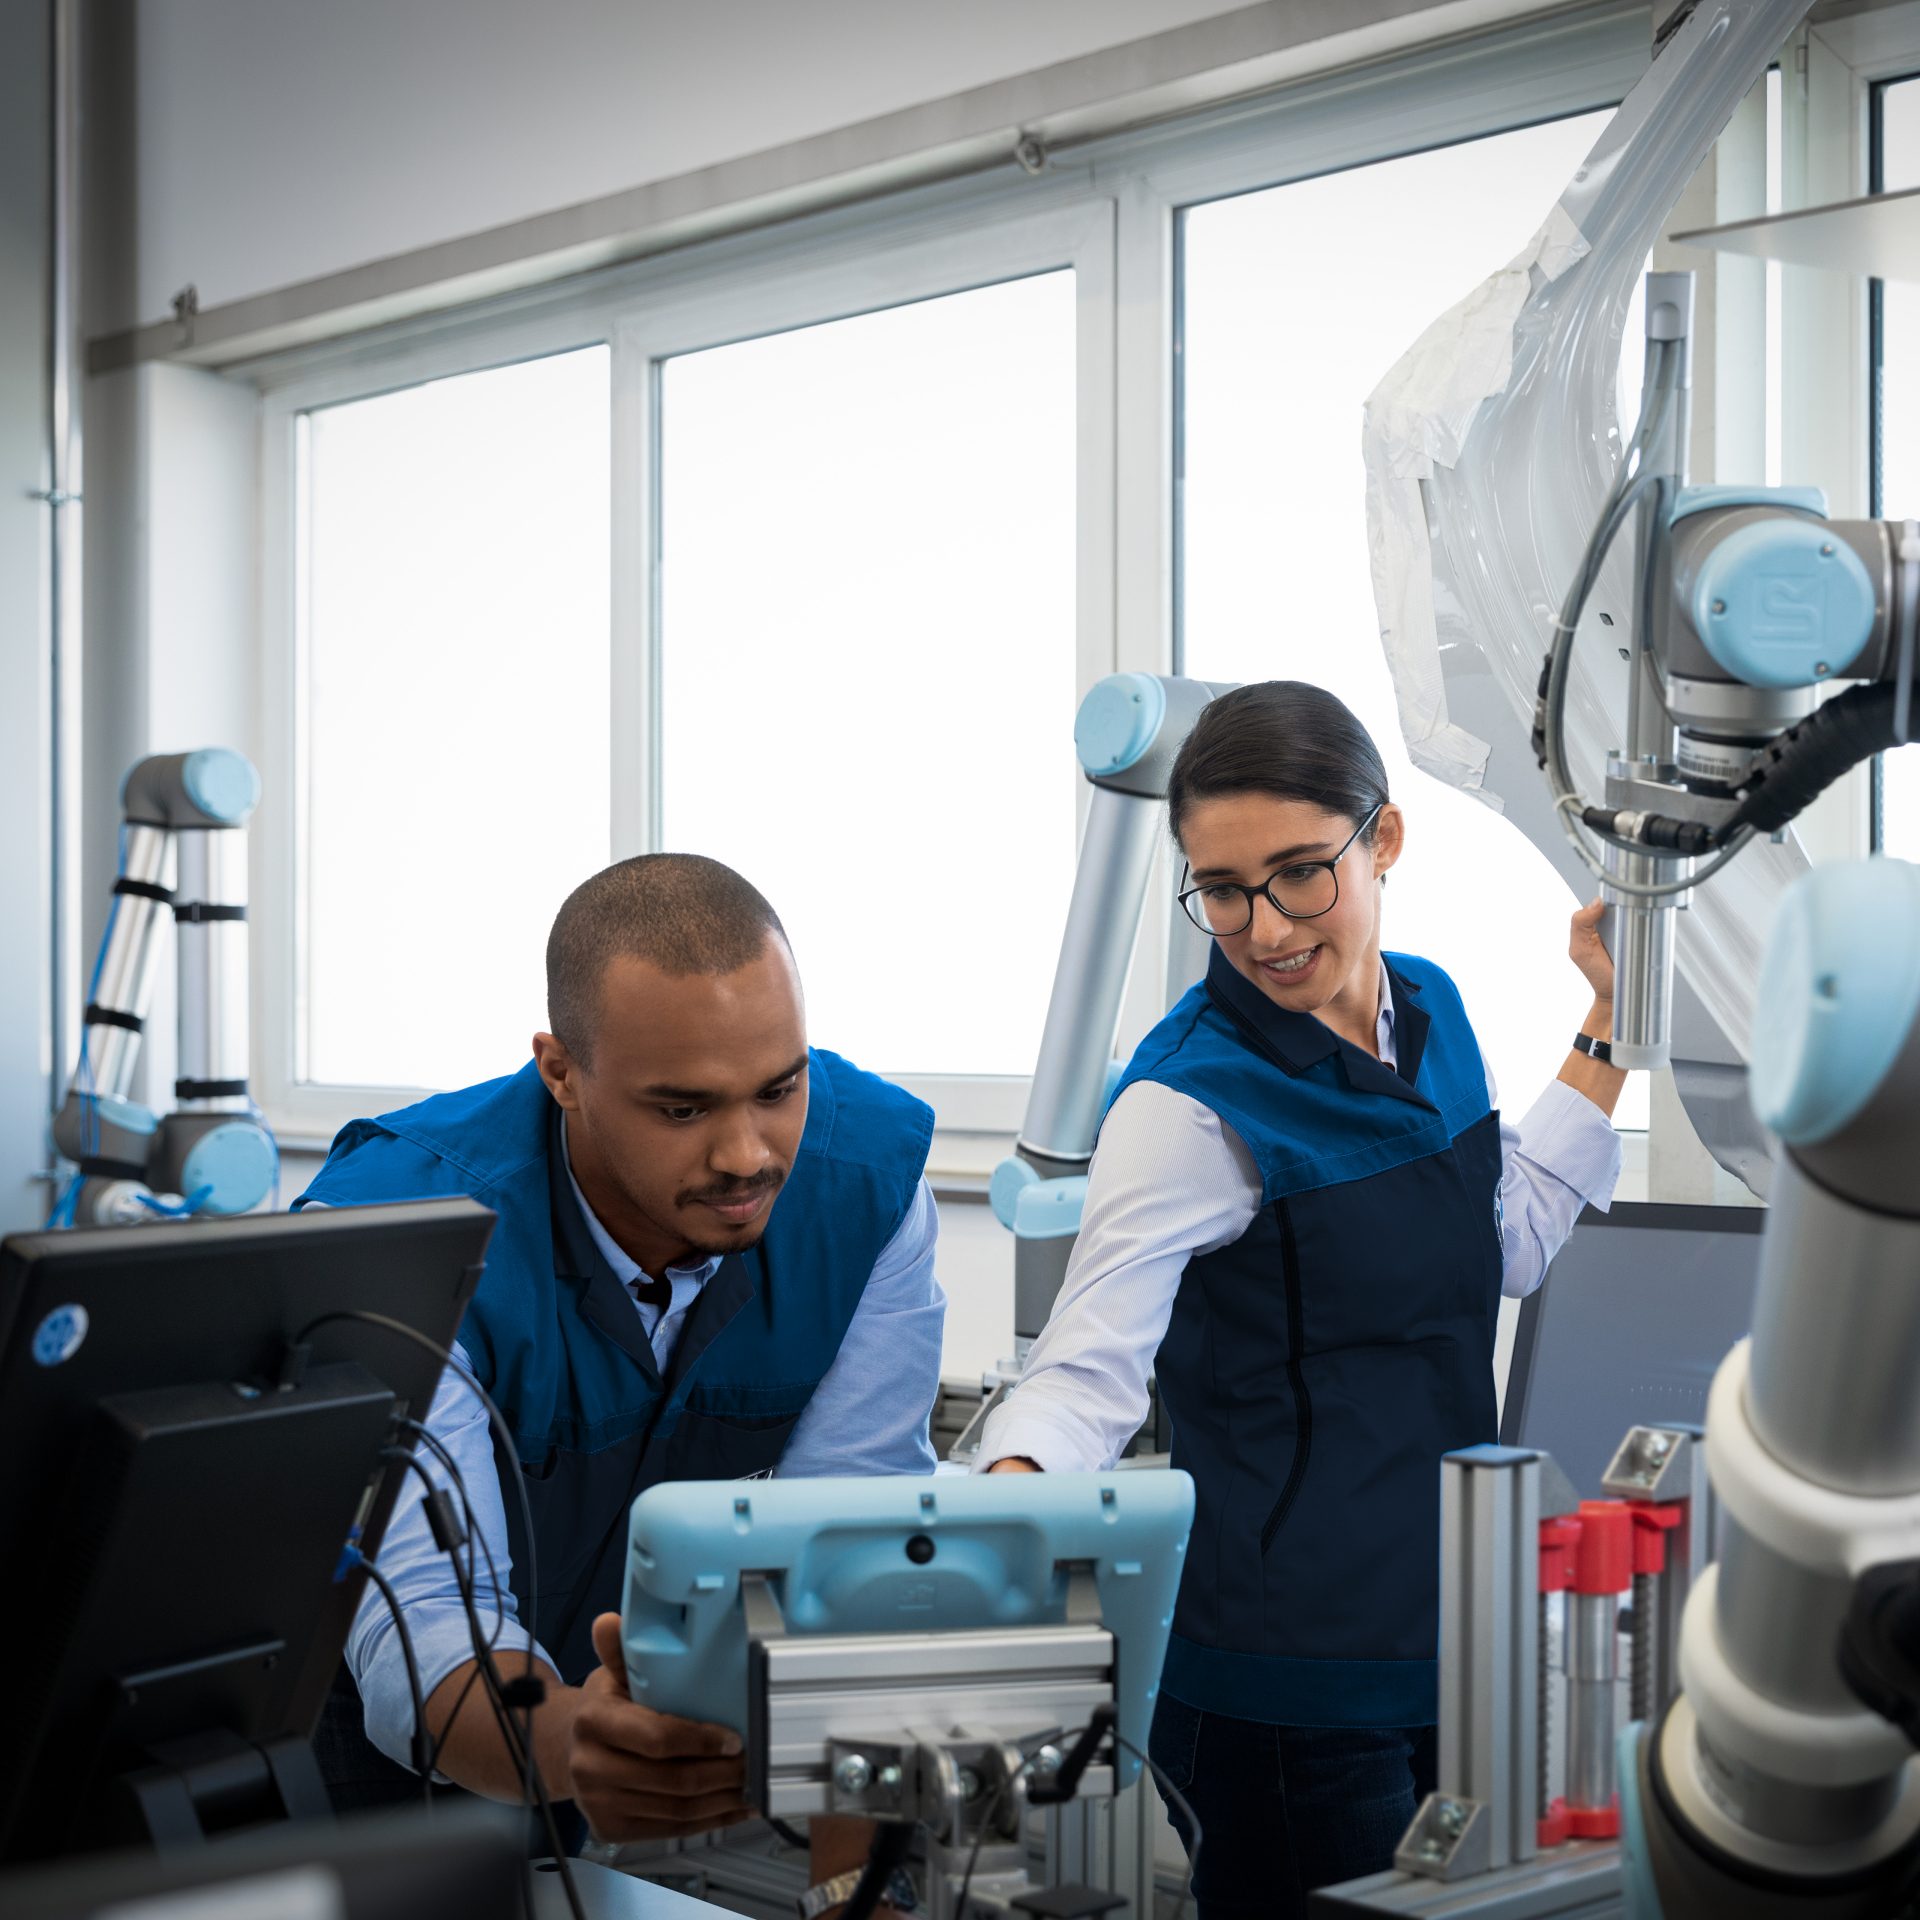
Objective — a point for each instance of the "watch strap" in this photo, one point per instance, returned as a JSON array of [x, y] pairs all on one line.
[[1601, 1050]]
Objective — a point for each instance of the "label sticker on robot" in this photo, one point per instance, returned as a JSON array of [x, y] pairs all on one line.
[[57, 1338]]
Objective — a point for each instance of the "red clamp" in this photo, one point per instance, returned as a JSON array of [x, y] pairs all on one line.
[[1603, 1561], [1652, 1522], [1564, 1823], [1595, 1550], [1559, 1538], [1595, 1823]]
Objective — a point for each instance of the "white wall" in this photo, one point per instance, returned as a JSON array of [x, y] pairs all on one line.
[[282, 141], [25, 786]]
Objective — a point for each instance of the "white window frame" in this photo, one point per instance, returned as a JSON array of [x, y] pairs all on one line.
[[1108, 212], [747, 303], [740, 296]]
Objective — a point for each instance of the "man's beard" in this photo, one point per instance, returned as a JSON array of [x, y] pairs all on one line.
[[718, 1237]]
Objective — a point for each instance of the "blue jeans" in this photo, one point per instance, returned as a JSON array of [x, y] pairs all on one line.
[[1283, 1810]]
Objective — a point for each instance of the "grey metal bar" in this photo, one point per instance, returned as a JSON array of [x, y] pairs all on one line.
[[1484, 1813]]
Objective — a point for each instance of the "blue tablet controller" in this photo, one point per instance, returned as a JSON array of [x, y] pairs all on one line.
[[714, 1566]]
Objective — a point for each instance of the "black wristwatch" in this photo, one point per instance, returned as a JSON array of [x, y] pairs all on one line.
[[1601, 1050]]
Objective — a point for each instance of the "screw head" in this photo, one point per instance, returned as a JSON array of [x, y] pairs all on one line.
[[1451, 1818], [969, 1784], [854, 1773], [1659, 1445], [1719, 606], [1047, 1762], [1821, 669], [888, 1779], [1826, 550]]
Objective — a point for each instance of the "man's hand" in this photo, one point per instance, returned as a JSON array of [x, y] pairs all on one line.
[[641, 1775]]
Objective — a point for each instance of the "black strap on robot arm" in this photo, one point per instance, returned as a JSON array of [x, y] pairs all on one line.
[[1880, 1643]]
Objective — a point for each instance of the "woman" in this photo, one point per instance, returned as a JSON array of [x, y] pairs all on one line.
[[1305, 1204]]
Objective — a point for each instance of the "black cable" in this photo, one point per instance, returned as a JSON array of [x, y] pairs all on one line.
[[892, 1842], [1790, 772], [495, 1418], [987, 1819], [1179, 1800], [422, 1759], [519, 1744], [533, 1786], [788, 1836], [476, 1541], [1173, 1793]]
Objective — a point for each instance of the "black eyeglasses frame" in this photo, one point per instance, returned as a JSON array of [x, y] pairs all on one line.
[[1265, 888]]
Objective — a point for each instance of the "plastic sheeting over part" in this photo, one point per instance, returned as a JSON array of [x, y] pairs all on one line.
[[1489, 448]]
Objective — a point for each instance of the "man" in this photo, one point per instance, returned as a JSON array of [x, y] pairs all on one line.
[[714, 1259]]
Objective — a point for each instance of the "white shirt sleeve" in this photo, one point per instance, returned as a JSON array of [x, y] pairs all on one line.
[[1168, 1180], [1563, 1156]]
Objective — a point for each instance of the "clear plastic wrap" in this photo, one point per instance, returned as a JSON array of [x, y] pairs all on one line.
[[1489, 449]]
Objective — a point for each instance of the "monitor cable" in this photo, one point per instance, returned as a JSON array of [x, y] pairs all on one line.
[[527, 1692]]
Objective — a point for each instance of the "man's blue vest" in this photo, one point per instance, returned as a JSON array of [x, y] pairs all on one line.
[[557, 1342], [1317, 1369]]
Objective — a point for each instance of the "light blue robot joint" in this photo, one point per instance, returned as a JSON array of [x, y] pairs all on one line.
[[1691, 500], [1834, 1008], [223, 784], [1782, 603], [1118, 722], [231, 1167]]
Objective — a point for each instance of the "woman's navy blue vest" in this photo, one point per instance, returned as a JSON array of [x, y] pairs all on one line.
[[555, 1338], [1317, 1369]]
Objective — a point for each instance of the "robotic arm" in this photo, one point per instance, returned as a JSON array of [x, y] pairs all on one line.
[[1752, 599], [1780, 1779], [1127, 732], [184, 846]]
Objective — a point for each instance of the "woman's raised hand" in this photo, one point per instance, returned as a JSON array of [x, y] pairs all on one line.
[[1587, 953]]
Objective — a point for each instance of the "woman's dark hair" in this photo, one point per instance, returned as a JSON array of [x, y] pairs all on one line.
[[1282, 737]]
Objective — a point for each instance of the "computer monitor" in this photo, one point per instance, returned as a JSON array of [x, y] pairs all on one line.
[[1637, 1311], [180, 1481]]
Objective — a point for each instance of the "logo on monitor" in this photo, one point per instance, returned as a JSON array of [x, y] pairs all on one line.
[[57, 1338]]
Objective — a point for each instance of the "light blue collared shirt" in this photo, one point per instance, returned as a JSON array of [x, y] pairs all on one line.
[[869, 1415]]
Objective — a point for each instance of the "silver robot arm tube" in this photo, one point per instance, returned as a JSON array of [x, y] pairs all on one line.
[[1772, 1779], [1128, 730], [1076, 1045], [184, 846]]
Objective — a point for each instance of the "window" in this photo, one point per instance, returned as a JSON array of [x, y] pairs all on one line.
[[453, 638], [867, 658], [799, 548], [1296, 300], [1895, 151]]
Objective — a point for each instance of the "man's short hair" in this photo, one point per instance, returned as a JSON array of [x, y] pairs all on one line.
[[679, 912]]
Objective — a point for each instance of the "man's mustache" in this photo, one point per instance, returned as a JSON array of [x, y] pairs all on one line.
[[734, 1189]]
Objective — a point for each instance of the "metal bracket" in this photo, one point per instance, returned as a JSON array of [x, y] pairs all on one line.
[[1651, 1464], [1449, 1839], [957, 1783], [1631, 791]]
